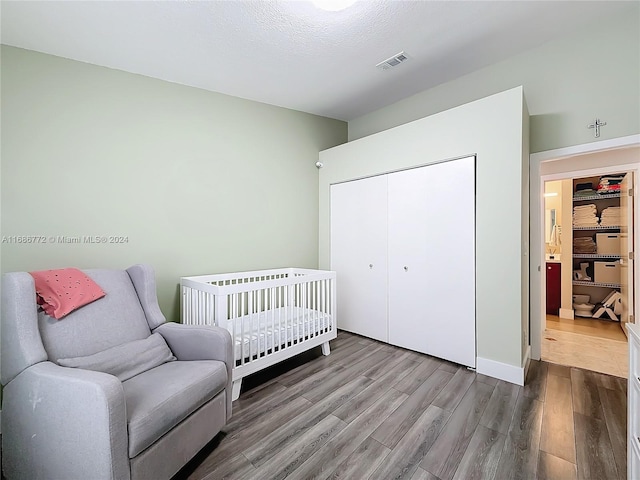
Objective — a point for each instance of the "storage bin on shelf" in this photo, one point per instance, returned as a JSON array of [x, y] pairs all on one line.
[[606, 272], [608, 243]]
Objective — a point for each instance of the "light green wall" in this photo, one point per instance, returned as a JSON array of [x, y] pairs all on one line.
[[199, 182], [567, 82], [495, 129]]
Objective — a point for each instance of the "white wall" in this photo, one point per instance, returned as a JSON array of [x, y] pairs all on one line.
[[567, 82], [491, 128], [198, 182]]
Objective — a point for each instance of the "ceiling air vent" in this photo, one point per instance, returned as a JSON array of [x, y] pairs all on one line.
[[394, 61]]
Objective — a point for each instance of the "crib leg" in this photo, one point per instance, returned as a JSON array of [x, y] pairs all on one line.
[[235, 389], [325, 349]]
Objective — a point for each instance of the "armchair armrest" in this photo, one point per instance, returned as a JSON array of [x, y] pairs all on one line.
[[74, 425], [201, 342]]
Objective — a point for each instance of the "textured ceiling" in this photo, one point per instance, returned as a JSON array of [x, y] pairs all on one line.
[[290, 53]]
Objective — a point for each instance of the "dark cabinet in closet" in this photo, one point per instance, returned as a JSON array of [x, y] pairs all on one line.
[[553, 288]]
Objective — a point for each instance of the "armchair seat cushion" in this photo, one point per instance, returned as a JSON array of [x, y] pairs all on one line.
[[155, 405]]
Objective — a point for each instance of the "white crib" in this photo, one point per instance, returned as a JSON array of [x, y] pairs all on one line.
[[272, 315]]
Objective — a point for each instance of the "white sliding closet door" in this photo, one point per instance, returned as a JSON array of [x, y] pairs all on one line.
[[359, 255], [432, 260]]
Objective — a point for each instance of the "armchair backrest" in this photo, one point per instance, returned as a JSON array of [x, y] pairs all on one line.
[[127, 312]]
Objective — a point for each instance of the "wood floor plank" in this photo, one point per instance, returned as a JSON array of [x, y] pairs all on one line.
[[247, 406], [279, 370], [452, 394], [554, 468], [366, 361], [320, 391], [421, 474], [362, 462], [293, 455], [405, 458], [278, 400], [585, 395], [559, 370], [354, 353], [314, 380], [249, 400], [448, 366], [486, 379], [253, 432], [480, 461], [420, 357], [557, 437], [536, 382], [444, 456], [497, 416], [587, 326], [344, 337], [324, 461], [358, 404], [601, 379], [303, 371], [235, 467], [614, 405], [271, 444], [423, 371], [348, 349], [394, 428], [368, 366], [595, 457], [519, 458], [390, 363]]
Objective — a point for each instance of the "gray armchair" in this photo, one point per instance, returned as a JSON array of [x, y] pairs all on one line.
[[65, 422]]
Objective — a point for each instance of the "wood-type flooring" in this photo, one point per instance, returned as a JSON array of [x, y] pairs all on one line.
[[373, 411], [590, 344]]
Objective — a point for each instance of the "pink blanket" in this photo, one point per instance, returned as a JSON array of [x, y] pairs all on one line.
[[62, 291]]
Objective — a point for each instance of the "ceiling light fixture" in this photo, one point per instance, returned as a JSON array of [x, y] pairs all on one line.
[[333, 5]]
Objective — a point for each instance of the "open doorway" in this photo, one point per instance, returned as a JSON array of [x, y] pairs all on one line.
[[562, 336], [586, 218]]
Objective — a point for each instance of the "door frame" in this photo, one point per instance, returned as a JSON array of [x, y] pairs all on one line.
[[536, 214]]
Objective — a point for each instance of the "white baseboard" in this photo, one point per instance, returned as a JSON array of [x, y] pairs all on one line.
[[504, 371], [566, 313]]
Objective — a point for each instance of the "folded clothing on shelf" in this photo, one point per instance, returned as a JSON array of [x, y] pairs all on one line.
[[584, 193], [584, 245], [610, 216], [585, 216], [590, 223], [610, 184], [582, 187], [581, 208]]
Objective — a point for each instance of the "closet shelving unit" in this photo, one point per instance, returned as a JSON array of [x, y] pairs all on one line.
[[596, 284], [601, 201]]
